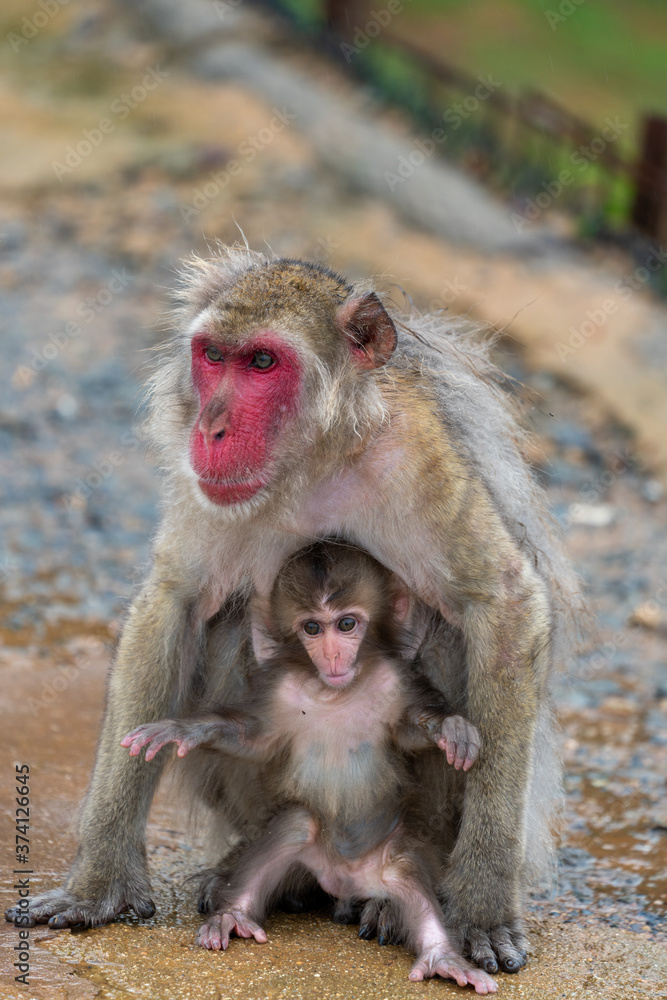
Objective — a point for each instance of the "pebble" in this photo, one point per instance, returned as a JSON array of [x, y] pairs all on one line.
[[653, 490], [592, 515]]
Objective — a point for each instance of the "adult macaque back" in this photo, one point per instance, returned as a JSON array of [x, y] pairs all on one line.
[[292, 407]]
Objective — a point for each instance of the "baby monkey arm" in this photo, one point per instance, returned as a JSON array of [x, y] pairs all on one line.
[[428, 720], [229, 730]]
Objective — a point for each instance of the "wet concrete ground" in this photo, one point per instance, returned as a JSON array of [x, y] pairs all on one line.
[[78, 507]]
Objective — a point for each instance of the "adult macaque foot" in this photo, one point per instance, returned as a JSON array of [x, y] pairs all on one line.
[[437, 962], [60, 908], [504, 947], [215, 933], [379, 917]]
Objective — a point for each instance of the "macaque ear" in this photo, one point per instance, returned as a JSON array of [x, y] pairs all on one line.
[[369, 329], [401, 604]]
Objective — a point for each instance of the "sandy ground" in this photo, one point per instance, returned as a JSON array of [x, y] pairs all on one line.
[[85, 268]]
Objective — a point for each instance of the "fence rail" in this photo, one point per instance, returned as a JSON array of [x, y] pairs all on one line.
[[526, 145]]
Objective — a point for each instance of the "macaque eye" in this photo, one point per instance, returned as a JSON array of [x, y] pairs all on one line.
[[346, 624], [213, 354], [311, 628], [262, 360]]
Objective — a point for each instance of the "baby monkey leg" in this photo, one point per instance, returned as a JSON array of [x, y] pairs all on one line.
[[400, 879], [257, 879]]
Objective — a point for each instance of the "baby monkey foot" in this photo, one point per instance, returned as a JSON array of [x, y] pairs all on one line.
[[216, 931], [439, 962]]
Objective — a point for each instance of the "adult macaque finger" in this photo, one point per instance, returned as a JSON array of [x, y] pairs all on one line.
[[368, 922], [481, 951], [14, 914], [509, 957]]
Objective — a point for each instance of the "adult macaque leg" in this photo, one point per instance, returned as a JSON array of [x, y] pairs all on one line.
[[503, 702], [257, 879], [109, 873]]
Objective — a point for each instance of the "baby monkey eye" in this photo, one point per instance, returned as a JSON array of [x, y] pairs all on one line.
[[346, 624], [311, 628], [262, 360], [213, 354]]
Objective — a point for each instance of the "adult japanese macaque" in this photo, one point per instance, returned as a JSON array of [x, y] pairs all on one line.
[[292, 407], [332, 718]]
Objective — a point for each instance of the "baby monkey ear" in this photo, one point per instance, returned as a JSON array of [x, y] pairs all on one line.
[[369, 330], [401, 604]]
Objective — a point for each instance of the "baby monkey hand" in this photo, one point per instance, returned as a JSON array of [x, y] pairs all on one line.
[[460, 741], [158, 734]]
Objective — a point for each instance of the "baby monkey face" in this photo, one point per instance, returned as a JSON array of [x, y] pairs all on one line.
[[331, 638]]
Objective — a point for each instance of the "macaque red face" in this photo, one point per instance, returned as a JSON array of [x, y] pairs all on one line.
[[259, 351], [332, 639], [247, 392]]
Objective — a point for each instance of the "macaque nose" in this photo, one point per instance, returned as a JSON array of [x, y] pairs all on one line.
[[331, 650], [213, 428]]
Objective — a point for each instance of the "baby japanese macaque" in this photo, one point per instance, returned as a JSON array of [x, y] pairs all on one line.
[[335, 716]]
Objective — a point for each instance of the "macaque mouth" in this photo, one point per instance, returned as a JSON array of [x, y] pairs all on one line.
[[225, 491], [338, 680]]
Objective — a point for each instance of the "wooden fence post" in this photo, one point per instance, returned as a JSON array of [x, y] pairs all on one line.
[[343, 17], [649, 211]]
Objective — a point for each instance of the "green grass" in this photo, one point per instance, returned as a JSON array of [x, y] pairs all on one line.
[[606, 58]]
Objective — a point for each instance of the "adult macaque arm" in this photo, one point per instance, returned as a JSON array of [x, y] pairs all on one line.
[[484, 586], [109, 874]]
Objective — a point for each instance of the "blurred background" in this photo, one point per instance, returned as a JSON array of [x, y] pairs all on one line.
[[502, 161]]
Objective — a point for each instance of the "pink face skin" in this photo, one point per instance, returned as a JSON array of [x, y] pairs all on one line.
[[246, 393], [332, 640]]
